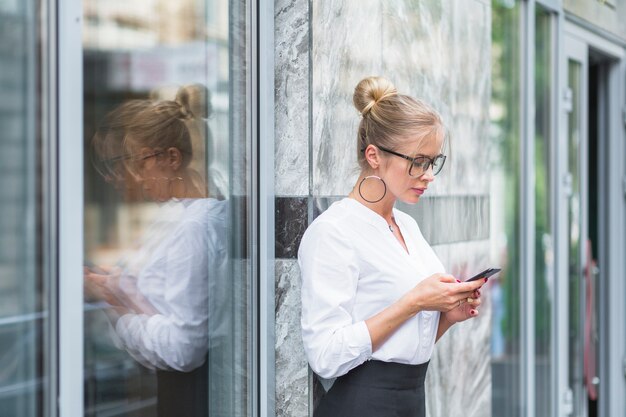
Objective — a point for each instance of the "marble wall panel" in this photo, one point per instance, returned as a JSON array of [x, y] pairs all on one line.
[[291, 99], [421, 46], [346, 47], [292, 371], [291, 222], [459, 376], [449, 219], [238, 130], [439, 51]]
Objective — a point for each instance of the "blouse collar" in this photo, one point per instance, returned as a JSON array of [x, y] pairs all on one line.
[[370, 215]]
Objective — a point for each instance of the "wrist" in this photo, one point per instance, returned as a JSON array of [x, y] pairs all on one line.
[[446, 321], [411, 304]]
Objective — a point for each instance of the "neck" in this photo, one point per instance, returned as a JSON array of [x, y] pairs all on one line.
[[189, 189], [383, 207]]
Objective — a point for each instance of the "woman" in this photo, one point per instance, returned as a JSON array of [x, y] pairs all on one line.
[[168, 298], [375, 297]]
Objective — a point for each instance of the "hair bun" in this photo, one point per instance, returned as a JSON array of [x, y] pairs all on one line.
[[194, 101], [370, 91]]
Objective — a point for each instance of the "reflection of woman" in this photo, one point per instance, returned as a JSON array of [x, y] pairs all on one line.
[[375, 297], [167, 297]]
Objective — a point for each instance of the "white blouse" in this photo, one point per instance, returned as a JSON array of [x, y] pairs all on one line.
[[181, 269], [353, 267]]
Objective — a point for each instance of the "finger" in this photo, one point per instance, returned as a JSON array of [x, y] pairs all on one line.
[[447, 278], [474, 301], [464, 295], [473, 313], [476, 294], [469, 286], [99, 279], [469, 300], [105, 269]]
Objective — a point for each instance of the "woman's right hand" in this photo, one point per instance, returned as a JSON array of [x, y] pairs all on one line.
[[442, 292]]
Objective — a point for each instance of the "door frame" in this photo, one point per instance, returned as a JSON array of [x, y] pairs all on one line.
[[612, 389]]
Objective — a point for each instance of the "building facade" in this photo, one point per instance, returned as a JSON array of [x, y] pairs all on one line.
[[532, 91]]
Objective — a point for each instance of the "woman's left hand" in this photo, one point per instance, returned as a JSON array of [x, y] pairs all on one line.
[[467, 310]]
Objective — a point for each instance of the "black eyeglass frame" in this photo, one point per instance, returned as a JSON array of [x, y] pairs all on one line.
[[431, 162]]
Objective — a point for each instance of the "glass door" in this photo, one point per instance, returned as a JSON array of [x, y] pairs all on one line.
[[169, 312], [575, 231], [26, 267]]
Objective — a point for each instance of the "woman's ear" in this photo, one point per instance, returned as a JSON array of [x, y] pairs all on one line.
[[174, 158], [372, 156]]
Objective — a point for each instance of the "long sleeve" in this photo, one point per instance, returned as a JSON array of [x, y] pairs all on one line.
[[176, 337], [334, 344]]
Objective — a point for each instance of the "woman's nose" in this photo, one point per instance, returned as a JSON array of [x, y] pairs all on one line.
[[428, 174]]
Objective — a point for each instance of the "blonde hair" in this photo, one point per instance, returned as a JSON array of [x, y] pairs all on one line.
[[107, 144], [389, 118], [169, 123], [180, 123]]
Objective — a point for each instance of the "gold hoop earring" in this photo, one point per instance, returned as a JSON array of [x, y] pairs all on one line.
[[378, 178]]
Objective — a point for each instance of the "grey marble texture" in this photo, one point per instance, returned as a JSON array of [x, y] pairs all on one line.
[[291, 101], [459, 376], [439, 51], [292, 371], [421, 47], [291, 222], [237, 138], [346, 47], [451, 218]]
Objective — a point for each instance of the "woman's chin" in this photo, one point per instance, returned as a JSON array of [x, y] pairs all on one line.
[[410, 199]]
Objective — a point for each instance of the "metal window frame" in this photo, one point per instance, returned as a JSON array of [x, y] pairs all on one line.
[[69, 142], [48, 24], [527, 198], [263, 58], [554, 199]]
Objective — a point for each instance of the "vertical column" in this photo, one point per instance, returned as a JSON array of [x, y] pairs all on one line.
[[291, 147], [70, 143]]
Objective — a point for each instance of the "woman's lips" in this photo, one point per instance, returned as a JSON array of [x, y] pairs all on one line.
[[419, 191]]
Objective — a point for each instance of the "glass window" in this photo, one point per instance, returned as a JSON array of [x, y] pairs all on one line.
[[544, 249], [574, 229], [24, 380], [168, 282], [505, 206]]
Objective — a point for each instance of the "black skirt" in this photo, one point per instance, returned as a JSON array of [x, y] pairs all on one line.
[[377, 389], [183, 393]]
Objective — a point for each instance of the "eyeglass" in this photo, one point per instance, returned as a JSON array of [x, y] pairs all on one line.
[[111, 168], [420, 164], [136, 162]]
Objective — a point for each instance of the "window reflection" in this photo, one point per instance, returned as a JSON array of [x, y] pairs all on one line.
[[167, 327], [505, 197], [544, 251], [24, 272], [574, 228]]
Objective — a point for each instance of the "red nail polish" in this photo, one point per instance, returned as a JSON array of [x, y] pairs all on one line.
[[458, 280], [486, 279]]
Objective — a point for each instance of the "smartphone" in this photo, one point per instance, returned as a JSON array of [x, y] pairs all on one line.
[[484, 274]]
